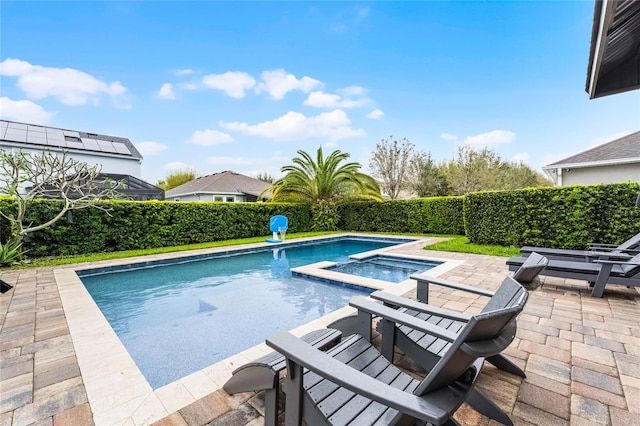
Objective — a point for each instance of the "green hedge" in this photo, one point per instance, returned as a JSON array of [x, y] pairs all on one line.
[[440, 215], [562, 217], [127, 225]]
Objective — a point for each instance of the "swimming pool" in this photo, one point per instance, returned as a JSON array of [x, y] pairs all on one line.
[[384, 268], [179, 316]]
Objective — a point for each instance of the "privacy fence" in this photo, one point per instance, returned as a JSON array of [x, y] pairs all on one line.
[[569, 217]]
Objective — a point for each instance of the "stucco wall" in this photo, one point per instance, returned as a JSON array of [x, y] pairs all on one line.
[[603, 174]]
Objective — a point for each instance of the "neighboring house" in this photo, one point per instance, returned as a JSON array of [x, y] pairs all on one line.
[[615, 161], [225, 186], [118, 157]]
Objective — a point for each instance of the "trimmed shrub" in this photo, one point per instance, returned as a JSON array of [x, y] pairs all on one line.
[[128, 225], [438, 215], [562, 217]]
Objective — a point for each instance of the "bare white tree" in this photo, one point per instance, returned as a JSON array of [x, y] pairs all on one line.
[[389, 163], [26, 176]]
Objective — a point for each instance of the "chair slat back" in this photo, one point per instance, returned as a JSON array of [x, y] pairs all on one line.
[[632, 267], [532, 266], [633, 242], [484, 335]]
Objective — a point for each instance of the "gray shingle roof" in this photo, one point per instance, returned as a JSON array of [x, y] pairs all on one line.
[[627, 147], [23, 135], [223, 182]]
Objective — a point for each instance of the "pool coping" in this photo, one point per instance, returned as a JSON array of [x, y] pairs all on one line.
[[117, 391]]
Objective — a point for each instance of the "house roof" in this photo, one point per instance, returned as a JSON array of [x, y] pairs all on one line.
[[227, 182], [623, 150], [614, 53], [23, 135]]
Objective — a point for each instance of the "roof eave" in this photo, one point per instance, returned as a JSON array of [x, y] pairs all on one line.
[[592, 163]]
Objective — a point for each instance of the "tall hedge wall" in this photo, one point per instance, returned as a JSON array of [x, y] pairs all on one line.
[[562, 217], [440, 215], [134, 225]]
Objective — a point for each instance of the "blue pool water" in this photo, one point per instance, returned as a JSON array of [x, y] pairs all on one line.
[[177, 317], [385, 268]]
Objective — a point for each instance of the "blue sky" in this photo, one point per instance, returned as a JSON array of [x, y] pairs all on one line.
[[243, 85]]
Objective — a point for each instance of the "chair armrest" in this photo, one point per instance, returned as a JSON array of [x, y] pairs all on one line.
[[615, 262], [457, 286], [324, 365], [403, 302], [373, 308], [601, 246], [608, 255]]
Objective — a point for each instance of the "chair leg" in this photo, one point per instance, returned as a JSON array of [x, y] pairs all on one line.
[[271, 397], [601, 281], [503, 363], [486, 407]]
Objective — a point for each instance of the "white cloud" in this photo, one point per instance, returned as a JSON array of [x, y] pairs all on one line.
[[334, 125], [448, 137], [233, 83], [70, 86], [166, 92], [278, 83], [188, 86], [521, 157], [177, 165], [209, 137], [375, 114], [353, 91], [362, 13], [26, 111], [186, 71], [328, 100], [150, 148], [492, 138]]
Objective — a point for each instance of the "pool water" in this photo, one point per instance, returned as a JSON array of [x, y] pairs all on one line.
[[177, 318], [385, 268]]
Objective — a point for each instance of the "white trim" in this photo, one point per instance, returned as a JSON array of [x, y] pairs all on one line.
[[198, 193], [606, 16], [592, 163]]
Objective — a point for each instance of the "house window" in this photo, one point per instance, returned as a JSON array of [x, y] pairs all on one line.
[[217, 199], [231, 199]]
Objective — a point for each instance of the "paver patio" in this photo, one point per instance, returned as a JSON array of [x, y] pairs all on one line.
[[581, 356]]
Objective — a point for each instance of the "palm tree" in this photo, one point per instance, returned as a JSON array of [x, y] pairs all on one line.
[[323, 181]]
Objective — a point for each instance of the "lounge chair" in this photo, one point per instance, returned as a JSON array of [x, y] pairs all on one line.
[[600, 272], [426, 351], [630, 246], [353, 383]]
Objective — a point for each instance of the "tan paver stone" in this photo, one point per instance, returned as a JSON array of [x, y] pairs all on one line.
[[206, 409], [584, 330], [545, 400], [623, 417], [581, 421], [601, 368], [551, 368], [79, 415], [556, 324], [530, 335], [535, 416], [629, 365], [544, 329], [550, 352], [632, 395], [60, 402], [174, 419], [597, 380], [608, 398], [56, 375], [599, 355], [615, 328], [57, 387], [546, 383], [558, 342], [600, 342], [16, 391], [589, 409], [17, 366], [240, 416]]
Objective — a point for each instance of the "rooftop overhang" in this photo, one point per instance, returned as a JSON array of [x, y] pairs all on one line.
[[614, 57]]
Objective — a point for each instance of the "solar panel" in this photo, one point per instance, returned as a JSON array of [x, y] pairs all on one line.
[[57, 142], [90, 144], [15, 135], [75, 145], [70, 133], [37, 129], [31, 138], [121, 148], [106, 146], [3, 130], [17, 126], [3, 124]]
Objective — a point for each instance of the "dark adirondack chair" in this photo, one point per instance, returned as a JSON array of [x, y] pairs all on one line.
[[630, 247], [605, 270], [354, 384]]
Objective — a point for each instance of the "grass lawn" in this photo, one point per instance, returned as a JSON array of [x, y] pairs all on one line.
[[461, 244]]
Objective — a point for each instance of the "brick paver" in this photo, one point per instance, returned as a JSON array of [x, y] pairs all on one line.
[[581, 356]]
